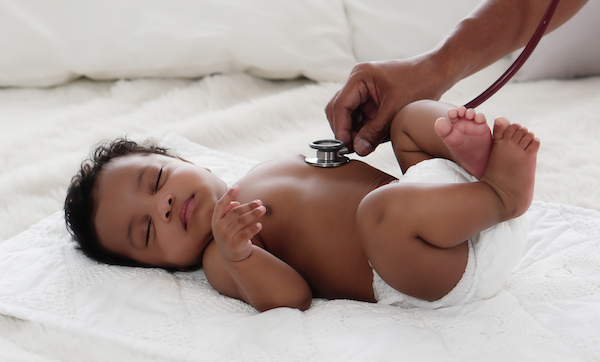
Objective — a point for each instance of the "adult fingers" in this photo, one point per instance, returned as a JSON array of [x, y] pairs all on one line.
[[352, 95], [372, 132], [347, 100]]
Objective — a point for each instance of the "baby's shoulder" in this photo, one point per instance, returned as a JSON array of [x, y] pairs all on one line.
[[276, 164], [293, 166]]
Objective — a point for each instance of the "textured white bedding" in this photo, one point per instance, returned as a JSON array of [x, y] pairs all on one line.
[[543, 309], [57, 305]]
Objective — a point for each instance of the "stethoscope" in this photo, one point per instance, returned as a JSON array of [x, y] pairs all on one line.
[[330, 152]]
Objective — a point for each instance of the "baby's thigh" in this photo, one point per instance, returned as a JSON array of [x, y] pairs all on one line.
[[404, 260]]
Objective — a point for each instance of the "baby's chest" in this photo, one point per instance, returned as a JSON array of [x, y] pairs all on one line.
[[309, 232]]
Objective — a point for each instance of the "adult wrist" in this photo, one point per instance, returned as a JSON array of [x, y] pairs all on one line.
[[438, 74]]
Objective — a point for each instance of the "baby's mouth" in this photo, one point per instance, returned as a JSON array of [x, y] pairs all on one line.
[[185, 211]]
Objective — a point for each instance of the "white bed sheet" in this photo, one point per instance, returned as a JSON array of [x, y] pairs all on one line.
[[547, 310]]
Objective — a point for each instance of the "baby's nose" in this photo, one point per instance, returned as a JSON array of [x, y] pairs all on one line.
[[165, 207]]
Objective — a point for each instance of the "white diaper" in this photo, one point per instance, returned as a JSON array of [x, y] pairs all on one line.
[[493, 253]]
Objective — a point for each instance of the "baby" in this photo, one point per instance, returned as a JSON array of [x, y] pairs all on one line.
[[288, 231]]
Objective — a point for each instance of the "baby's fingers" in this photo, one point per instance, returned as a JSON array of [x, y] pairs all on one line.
[[232, 205], [223, 206], [244, 215], [244, 236], [236, 227], [243, 228]]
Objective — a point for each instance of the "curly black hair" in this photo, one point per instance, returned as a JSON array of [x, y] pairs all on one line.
[[80, 207]]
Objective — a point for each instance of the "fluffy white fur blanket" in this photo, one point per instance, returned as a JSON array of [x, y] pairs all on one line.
[[47, 132]]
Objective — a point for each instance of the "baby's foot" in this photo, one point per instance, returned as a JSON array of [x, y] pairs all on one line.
[[511, 168], [467, 137]]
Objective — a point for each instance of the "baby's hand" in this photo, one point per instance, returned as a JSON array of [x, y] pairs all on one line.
[[234, 224]]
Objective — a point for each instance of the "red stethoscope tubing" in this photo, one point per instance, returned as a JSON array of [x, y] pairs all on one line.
[[516, 65]]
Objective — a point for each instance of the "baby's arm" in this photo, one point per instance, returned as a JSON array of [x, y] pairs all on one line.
[[239, 269]]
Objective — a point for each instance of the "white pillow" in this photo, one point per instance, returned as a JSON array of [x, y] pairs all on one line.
[[573, 50], [45, 43], [395, 29]]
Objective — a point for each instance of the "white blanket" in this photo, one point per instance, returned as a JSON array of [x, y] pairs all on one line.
[[548, 309]]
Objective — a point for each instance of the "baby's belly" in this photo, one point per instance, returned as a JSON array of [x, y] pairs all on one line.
[[331, 259]]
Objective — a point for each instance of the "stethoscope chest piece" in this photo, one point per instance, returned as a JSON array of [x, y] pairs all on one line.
[[329, 153]]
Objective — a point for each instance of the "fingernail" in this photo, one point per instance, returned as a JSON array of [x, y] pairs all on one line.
[[362, 146]]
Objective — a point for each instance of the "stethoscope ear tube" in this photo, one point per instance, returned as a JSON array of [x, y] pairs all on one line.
[[518, 63]]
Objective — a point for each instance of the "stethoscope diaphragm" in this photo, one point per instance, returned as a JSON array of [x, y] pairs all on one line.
[[329, 153]]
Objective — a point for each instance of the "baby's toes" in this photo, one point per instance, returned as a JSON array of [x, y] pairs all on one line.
[[511, 130], [526, 139], [453, 113], [519, 134], [501, 124], [470, 114], [479, 118], [442, 127], [534, 145]]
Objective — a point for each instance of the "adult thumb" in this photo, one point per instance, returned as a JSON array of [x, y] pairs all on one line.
[[370, 135]]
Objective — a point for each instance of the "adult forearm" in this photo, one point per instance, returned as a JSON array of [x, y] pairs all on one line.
[[493, 30], [266, 282]]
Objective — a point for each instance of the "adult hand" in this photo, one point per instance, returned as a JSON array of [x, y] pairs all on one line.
[[361, 112]]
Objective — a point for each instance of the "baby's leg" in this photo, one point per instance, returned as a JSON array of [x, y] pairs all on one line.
[[427, 129], [414, 234]]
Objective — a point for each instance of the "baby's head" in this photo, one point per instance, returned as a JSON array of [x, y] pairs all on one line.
[[137, 205]]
